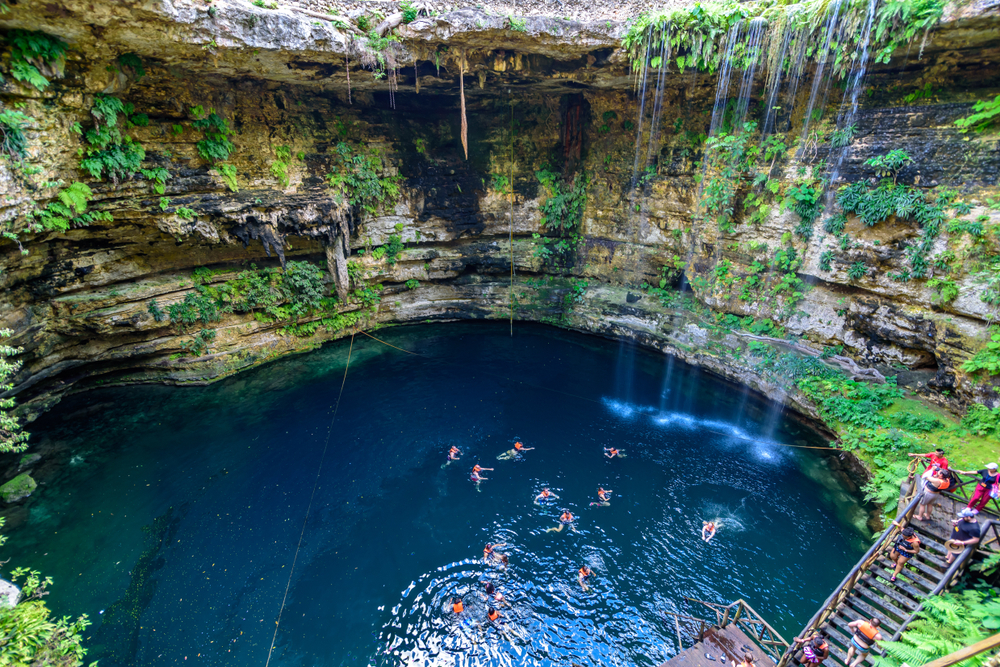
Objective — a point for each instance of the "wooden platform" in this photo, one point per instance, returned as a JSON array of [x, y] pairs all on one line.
[[725, 645]]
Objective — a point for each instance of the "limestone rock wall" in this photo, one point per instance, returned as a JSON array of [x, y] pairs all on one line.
[[558, 97]]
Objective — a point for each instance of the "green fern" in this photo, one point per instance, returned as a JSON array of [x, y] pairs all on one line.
[[228, 174], [28, 48], [77, 196], [159, 176]]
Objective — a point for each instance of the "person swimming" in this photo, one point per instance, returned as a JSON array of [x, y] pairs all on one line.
[[457, 606], [476, 477], [565, 519], [611, 452], [490, 551], [493, 615], [514, 453], [584, 573], [453, 455], [708, 529], [605, 497], [545, 496]]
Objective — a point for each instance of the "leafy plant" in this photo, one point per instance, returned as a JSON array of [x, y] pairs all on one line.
[[185, 213], [947, 289], [131, 61], [843, 137], [216, 146], [412, 283], [159, 176], [31, 50], [199, 343], [987, 359], [228, 174], [562, 214], [69, 210], [12, 438], [409, 11], [516, 24], [110, 153], [918, 423], [825, 259], [12, 139], [857, 270], [986, 114], [981, 420], [358, 180], [890, 164]]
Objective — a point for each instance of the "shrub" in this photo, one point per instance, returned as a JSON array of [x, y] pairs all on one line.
[[357, 180], [986, 359], [915, 422], [981, 420], [228, 174], [987, 113]]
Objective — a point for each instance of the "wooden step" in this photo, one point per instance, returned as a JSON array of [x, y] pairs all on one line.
[[886, 600], [914, 574], [902, 583], [899, 597], [887, 613]]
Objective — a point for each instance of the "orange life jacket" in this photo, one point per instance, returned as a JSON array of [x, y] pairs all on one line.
[[494, 615], [566, 516], [458, 607], [584, 572], [518, 445], [867, 630]]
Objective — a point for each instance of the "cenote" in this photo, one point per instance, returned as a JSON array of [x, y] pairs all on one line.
[[175, 514]]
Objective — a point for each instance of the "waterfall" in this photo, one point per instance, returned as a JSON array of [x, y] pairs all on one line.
[[855, 83], [833, 32], [725, 73]]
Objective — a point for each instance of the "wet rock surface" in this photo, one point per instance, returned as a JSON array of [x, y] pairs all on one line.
[[79, 301]]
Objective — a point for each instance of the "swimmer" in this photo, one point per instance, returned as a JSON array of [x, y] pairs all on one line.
[[565, 519], [492, 615], [514, 453], [544, 496], [490, 553], [453, 455], [611, 452], [504, 561], [457, 606], [604, 496], [584, 573], [476, 477], [708, 529]]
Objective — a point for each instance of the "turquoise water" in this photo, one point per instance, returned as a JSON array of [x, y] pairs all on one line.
[[173, 516]]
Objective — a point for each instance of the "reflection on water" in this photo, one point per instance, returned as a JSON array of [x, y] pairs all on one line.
[[394, 534]]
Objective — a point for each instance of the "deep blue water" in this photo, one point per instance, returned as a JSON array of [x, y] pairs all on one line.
[[173, 516]]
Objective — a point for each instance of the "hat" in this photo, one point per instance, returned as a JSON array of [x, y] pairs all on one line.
[[967, 512], [991, 466]]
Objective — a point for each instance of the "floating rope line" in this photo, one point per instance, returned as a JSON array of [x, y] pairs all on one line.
[[298, 547], [582, 398]]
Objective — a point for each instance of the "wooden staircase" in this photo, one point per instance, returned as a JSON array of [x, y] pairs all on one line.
[[894, 603], [866, 591]]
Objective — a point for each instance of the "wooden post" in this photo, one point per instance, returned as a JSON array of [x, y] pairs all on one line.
[[680, 644], [967, 652]]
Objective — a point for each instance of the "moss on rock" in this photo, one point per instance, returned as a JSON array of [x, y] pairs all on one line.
[[18, 488]]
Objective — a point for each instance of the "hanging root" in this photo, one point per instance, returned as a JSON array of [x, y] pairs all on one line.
[[465, 123]]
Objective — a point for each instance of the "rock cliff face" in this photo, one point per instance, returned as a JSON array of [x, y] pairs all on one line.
[[457, 241]]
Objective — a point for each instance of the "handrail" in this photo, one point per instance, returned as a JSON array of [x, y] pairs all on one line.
[[747, 618], [949, 575], [966, 653], [850, 581]]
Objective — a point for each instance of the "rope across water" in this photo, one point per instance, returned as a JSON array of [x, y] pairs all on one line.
[[305, 520]]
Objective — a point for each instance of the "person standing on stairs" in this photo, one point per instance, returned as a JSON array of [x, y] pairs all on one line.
[[931, 494], [907, 546], [966, 531], [987, 488], [935, 458], [865, 635]]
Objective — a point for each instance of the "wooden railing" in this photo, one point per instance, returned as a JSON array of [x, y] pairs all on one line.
[[751, 623], [840, 594]]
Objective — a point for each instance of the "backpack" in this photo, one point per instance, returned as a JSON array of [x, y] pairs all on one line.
[[995, 488]]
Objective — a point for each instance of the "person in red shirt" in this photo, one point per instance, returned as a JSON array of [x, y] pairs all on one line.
[[936, 458]]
